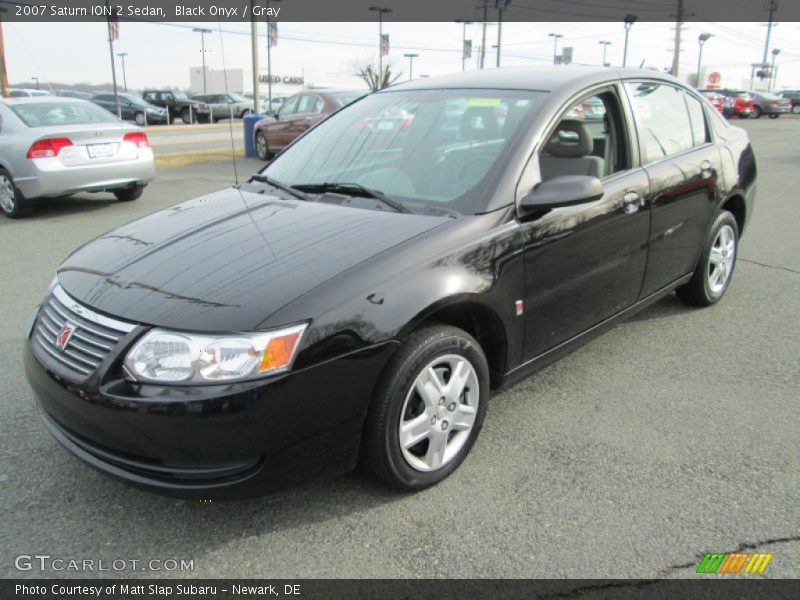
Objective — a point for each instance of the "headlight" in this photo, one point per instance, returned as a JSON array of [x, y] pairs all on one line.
[[163, 356]]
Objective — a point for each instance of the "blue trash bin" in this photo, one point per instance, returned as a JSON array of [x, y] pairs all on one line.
[[249, 125]]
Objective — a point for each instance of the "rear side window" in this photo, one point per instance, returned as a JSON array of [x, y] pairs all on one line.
[[46, 114], [697, 116], [662, 120]]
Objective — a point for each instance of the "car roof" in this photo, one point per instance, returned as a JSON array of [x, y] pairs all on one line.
[[550, 78], [41, 100]]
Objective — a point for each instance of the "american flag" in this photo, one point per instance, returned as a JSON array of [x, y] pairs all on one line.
[[272, 34], [113, 27], [384, 44], [467, 49]]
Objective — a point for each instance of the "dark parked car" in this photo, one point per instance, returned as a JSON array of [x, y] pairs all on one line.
[[74, 94], [740, 103], [132, 108], [770, 105], [180, 106], [297, 115], [360, 298], [793, 96]]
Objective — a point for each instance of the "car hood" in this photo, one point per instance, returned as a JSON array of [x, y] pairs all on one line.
[[228, 260]]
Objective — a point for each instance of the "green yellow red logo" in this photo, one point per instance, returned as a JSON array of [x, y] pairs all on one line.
[[734, 562]]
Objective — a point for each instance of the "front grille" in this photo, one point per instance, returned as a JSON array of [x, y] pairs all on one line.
[[93, 336]]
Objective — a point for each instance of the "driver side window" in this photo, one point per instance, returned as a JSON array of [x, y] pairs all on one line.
[[590, 139]]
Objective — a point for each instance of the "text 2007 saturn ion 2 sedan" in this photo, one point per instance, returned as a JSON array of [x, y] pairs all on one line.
[[359, 298]]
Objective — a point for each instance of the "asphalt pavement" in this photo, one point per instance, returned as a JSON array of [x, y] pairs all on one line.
[[674, 434], [191, 138]]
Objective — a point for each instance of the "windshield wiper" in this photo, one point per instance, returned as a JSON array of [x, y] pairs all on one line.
[[280, 186], [353, 189]]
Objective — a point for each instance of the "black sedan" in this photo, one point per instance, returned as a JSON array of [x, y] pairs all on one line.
[[360, 299], [132, 108]]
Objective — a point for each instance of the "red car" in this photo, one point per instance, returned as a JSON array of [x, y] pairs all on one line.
[[743, 103], [297, 115], [716, 100]]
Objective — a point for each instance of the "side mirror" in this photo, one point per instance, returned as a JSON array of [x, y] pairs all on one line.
[[566, 190]]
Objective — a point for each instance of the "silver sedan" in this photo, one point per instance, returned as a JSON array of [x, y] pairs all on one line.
[[51, 147]]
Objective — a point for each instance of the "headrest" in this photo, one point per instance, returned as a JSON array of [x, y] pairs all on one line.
[[571, 139], [479, 123]]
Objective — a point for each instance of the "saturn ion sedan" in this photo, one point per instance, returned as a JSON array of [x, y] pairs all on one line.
[[361, 298], [52, 147]]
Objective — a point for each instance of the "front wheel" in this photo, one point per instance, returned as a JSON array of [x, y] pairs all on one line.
[[139, 119], [427, 410], [796, 109], [714, 270], [774, 116], [12, 203], [186, 116], [129, 193], [756, 113]]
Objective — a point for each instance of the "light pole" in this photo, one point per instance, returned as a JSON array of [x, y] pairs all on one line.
[[36, 79], [605, 44], [556, 37], [269, 57], [463, 42], [203, 31], [775, 52], [3, 73], [381, 11], [122, 55], [500, 5], [701, 40], [410, 56], [629, 21]]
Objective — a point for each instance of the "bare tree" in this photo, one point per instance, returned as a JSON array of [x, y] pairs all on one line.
[[373, 76]]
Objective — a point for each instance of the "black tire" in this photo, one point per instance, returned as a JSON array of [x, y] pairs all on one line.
[[381, 454], [744, 116], [756, 112], [129, 193], [139, 119], [15, 206], [774, 115], [186, 116], [262, 146], [698, 290]]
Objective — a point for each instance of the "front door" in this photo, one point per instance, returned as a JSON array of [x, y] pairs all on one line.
[[586, 263]]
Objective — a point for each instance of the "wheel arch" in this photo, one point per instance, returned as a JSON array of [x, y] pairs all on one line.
[[479, 320], [736, 205]]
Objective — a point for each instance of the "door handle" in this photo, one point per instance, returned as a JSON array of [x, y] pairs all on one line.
[[706, 169], [631, 202]]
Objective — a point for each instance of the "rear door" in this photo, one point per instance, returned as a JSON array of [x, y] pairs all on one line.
[[684, 167]]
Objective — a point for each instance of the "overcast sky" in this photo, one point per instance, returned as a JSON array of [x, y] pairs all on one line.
[[161, 54]]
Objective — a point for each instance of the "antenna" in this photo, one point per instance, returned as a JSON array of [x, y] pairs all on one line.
[[230, 115]]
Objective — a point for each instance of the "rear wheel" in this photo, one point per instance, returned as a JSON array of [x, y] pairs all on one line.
[[129, 193], [774, 116], [427, 410], [262, 147], [12, 203], [796, 109], [186, 116], [714, 270]]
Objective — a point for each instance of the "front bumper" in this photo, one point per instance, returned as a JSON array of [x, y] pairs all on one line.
[[215, 441], [50, 178]]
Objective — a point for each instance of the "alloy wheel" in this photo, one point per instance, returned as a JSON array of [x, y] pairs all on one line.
[[261, 146], [721, 259], [439, 412], [8, 198]]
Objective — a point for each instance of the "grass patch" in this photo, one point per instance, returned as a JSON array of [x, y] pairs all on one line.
[[172, 160]]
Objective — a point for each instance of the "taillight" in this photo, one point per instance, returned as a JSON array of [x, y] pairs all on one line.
[[774, 102], [137, 137], [48, 148]]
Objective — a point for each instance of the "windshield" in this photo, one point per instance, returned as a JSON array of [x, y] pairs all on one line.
[[424, 148], [236, 98], [44, 114], [180, 95]]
